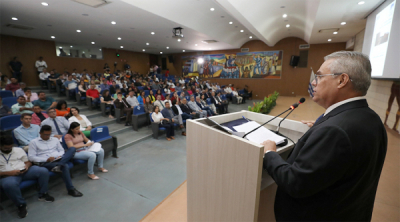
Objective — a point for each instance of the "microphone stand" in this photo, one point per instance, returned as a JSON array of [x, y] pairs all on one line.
[[279, 125], [266, 122]]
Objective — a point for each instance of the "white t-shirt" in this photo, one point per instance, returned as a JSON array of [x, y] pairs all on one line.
[[44, 75], [40, 65]]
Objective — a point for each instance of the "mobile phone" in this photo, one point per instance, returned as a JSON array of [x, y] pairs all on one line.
[[22, 170]]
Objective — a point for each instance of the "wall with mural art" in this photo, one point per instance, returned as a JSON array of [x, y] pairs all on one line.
[[266, 65]]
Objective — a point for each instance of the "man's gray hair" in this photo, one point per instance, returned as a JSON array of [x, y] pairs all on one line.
[[356, 65]]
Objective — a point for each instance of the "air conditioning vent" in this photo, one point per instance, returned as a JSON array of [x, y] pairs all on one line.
[[209, 41], [304, 46], [245, 50], [21, 27], [331, 30], [93, 3]]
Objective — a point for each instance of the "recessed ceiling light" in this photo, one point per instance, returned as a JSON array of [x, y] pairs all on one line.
[[183, 50], [287, 26], [92, 43], [14, 18], [343, 23], [152, 33], [99, 49], [143, 50], [119, 38], [121, 47], [113, 23], [361, 3], [160, 52], [195, 44], [212, 9], [250, 37], [53, 37], [167, 47], [230, 23], [179, 40], [147, 43], [335, 33], [45, 4], [329, 40], [242, 30], [71, 46], [78, 30], [83, 52], [60, 47], [284, 15]]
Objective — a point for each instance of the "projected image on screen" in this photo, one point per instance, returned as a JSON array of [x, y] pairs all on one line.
[[383, 25]]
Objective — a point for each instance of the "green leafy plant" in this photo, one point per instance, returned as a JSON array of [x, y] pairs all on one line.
[[265, 106]]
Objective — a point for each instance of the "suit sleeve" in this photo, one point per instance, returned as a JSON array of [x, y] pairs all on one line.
[[323, 159]]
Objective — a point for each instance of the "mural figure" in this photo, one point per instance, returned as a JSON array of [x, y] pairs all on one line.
[[394, 94], [258, 61]]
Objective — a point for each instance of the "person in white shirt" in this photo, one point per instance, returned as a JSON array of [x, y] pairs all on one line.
[[193, 105], [228, 89], [159, 103], [167, 99], [44, 75], [40, 65], [171, 84], [236, 94], [132, 100], [181, 81], [163, 122], [85, 124]]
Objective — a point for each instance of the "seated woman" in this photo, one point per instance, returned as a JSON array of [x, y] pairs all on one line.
[[236, 94], [142, 98], [75, 138], [176, 98], [86, 125], [167, 99], [167, 89], [151, 96], [148, 106], [109, 101], [82, 88], [62, 109], [159, 93], [164, 122]]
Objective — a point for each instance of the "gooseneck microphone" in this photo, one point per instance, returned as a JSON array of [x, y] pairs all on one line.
[[292, 107]]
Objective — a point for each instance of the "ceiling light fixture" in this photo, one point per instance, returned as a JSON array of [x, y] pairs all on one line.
[[329, 40], [60, 47], [160, 52], [287, 26], [195, 44], [343, 23], [14, 18], [284, 15], [230, 23], [242, 30], [71, 46], [113, 23], [53, 37], [143, 50], [250, 37], [78, 30], [183, 50], [167, 47], [361, 3], [152, 33], [179, 40], [45, 4], [92, 43], [99, 49], [335, 33], [121, 47], [147, 43], [212, 9], [83, 52], [119, 38], [200, 61]]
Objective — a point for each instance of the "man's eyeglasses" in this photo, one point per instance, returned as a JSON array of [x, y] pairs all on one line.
[[317, 77]]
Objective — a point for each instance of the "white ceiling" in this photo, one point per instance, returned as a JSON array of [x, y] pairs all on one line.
[[135, 19]]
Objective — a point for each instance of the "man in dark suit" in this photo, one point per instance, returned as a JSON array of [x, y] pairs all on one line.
[[124, 106], [333, 171], [186, 109]]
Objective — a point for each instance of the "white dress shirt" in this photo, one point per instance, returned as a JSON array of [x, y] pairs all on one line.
[[40, 65], [40, 150], [44, 75], [334, 106], [133, 101], [15, 160]]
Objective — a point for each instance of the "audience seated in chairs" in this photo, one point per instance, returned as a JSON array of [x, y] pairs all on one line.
[[4, 109], [124, 106], [187, 110], [109, 101], [114, 87], [176, 98], [85, 149], [159, 93], [115, 96], [22, 106], [151, 96], [93, 94], [29, 95], [173, 117], [193, 105], [148, 107], [59, 125], [16, 168], [84, 122], [25, 133], [104, 86], [203, 106], [164, 122], [62, 109], [236, 94], [20, 91], [45, 102], [82, 88], [142, 98], [13, 86], [159, 103], [38, 116], [46, 151], [218, 103]]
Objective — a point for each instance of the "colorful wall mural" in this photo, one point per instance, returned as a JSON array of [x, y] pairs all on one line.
[[267, 65]]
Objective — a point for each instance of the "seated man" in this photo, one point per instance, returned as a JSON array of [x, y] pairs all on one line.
[[132, 100], [218, 103], [178, 87], [53, 78], [159, 103], [186, 109], [59, 125], [178, 111], [124, 106], [43, 76], [204, 107], [20, 91], [45, 102], [70, 84], [4, 110], [13, 86], [46, 151], [15, 168], [94, 94], [22, 106], [193, 105], [26, 132], [38, 116], [168, 113], [29, 95], [104, 86]]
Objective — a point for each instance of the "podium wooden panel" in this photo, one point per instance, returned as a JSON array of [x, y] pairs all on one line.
[[224, 172]]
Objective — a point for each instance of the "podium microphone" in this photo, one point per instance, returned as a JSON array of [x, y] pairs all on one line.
[[292, 107]]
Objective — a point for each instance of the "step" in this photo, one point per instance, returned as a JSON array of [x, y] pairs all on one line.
[[129, 138]]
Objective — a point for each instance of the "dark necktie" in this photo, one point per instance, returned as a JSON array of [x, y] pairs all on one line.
[[319, 118], [57, 128]]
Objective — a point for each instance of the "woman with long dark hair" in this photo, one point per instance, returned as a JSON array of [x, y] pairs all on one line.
[[164, 122], [86, 125], [85, 149], [62, 108], [109, 101]]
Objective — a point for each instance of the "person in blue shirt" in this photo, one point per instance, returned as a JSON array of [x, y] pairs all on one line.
[[26, 132], [104, 86]]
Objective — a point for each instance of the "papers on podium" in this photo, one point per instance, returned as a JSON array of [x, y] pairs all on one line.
[[260, 135]]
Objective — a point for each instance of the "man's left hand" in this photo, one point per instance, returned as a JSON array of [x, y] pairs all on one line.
[[269, 146]]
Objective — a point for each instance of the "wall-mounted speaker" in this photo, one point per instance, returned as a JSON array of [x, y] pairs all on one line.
[[294, 60]]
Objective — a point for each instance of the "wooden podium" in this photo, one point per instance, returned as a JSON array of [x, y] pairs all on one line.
[[224, 172]]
